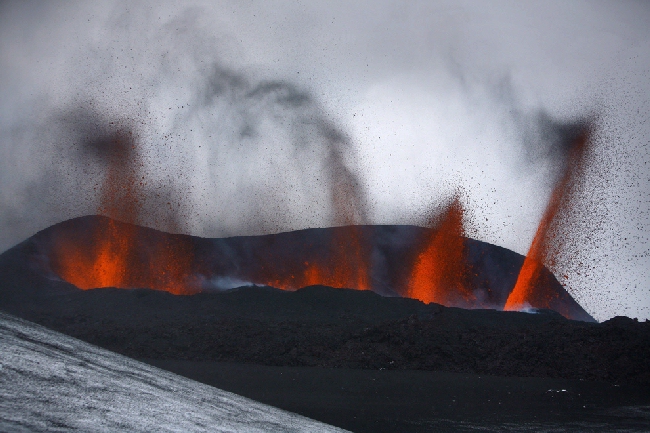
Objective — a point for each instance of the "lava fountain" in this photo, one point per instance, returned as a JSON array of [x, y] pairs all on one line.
[[115, 256], [344, 262], [529, 291], [439, 270]]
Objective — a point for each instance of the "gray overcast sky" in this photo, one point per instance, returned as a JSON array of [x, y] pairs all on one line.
[[429, 96]]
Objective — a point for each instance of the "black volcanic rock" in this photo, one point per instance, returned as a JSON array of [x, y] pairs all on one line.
[[326, 327]]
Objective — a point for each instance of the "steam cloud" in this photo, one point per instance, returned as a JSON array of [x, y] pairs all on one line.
[[232, 154]]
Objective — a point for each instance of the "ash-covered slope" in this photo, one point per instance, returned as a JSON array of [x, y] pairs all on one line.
[[286, 260], [51, 382]]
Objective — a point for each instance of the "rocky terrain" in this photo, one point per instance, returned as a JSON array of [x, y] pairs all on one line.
[[326, 327]]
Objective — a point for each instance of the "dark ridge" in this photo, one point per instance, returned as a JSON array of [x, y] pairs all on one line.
[[491, 270]]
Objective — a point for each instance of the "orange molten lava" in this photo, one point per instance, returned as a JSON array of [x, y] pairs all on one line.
[[529, 289], [343, 265], [352, 268], [111, 257], [438, 272], [106, 266]]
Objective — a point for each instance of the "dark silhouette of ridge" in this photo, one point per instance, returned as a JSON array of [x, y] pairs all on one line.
[[224, 263]]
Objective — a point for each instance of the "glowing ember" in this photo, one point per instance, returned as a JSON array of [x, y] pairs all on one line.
[[530, 289], [439, 271]]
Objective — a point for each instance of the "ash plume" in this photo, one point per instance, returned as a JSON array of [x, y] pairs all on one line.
[[310, 150], [191, 145], [548, 141]]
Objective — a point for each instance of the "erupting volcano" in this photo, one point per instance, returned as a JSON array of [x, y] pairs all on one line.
[[438, 264], [385, 216]]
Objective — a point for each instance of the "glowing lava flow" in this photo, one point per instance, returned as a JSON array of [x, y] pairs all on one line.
[[341, 263], [529, 291], [438, 272], [112, 256]]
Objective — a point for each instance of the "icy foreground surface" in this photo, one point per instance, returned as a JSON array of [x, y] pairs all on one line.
[[51, 382]]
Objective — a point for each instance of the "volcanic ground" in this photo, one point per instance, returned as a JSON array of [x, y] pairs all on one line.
[[340, 335]]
